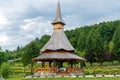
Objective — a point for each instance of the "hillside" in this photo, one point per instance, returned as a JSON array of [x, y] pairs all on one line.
[[97, 43]]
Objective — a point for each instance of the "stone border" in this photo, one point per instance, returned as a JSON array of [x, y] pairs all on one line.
[[72, 76]]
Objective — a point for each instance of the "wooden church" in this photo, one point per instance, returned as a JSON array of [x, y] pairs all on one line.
[[58, 51]]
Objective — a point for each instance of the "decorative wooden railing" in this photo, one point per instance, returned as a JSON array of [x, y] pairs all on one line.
[[75, 69], [46, 70], [56, 70]]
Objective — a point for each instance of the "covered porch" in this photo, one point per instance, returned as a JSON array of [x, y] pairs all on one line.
[[59, 62], [59, 68]]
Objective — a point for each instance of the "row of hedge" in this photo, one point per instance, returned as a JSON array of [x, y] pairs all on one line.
[[103, 70]]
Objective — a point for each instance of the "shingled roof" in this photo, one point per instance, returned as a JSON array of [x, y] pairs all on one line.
[[58, 41], [58, 55], [58, 18]]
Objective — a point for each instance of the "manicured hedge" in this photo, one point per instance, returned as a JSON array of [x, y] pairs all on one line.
[[101, 70]]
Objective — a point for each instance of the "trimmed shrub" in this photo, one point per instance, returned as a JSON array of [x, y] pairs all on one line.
[[5, 70], [86, 72]]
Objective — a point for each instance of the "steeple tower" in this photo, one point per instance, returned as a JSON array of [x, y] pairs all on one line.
[[58, 22], [58, 50]]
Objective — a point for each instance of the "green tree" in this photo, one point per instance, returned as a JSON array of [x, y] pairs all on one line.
[[3, 57], [32, 51], [116, 42], [43, 40], [5, 70], [90, 47], [73, 41]]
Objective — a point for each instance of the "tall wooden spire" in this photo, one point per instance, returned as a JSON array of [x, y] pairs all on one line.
[[58, 39], [58, 48], [58, 18]]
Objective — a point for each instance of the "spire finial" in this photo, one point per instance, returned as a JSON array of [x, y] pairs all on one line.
[[58, 18]]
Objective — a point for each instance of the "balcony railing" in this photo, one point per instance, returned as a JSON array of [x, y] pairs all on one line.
[[46, 70], [57, 70]]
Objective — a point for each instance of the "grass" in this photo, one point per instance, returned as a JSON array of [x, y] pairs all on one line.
[[95, 64], [76, 79], [21, 78], [15, 77], [17, 67]]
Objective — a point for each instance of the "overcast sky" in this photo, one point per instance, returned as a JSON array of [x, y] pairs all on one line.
[[21, 21]]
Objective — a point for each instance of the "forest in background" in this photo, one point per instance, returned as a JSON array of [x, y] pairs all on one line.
[[96, 43]]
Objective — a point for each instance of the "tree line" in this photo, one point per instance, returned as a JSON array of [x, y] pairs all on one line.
[[96, 43]]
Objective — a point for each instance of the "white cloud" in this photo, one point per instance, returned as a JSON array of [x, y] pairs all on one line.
[[27, 30], [28, 27], [23, 20], [3, 20], [46, 30], [36, 25], [29, 36], [4, 38], [115, 16]]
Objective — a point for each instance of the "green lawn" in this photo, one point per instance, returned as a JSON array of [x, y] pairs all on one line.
[[19, 77], [17, 68], [15, 77], [115, 78]]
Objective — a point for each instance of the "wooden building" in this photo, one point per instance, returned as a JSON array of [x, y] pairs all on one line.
[[57, 51]]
